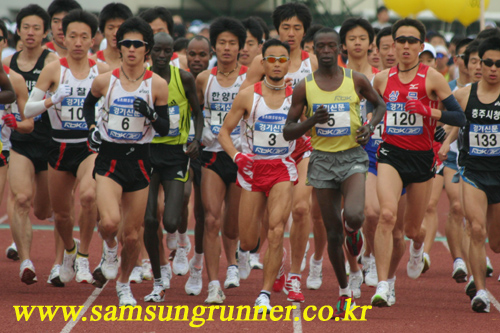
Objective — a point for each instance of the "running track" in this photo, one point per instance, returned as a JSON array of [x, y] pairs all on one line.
[[433, 303]]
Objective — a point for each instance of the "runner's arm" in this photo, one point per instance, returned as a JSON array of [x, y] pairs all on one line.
[[7, 93], [454, 114], [254, 74], [238, 110], [191, 94], [26, 125]]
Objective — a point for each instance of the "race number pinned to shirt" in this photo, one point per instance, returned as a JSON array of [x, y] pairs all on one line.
[[124, 122], [72, 113], [376, 138], [339, 121], [484, 140], [175, 117], [268, 135], [219, 113], [401, 122]]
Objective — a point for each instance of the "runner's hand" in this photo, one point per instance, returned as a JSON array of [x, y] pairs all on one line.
[[143, 108], [94, 139], [63, 91], [193, 150], [364, 135], [443, 151], [244, 161], [321, 116], [416, 106], [10, 120]]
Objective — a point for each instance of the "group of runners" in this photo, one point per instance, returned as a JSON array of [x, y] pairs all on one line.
[[331, 138]]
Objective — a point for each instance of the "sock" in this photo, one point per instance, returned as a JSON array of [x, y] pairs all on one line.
[[122, 285], [345, 291], [265, 292], [72, 250], [290, 275], [457, 259], [81, 255], [145, 261], [348, 228], [182, 239], [419, 251], [372, 256], [198, 260], [214, 283], [113, 249], [392, 280], [317, 262], [158, 282], [358, 273]]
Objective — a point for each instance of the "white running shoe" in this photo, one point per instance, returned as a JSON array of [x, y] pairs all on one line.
[[315, 277], [392, 293], [181, 265], [215, 295], [147, 271], [109, 262], [304, 260], [67, 271], [415, 263], [82, 270], [27, 272], [381, 297], [157, 295], [371, 277], [427, 262], [54, 277], [489, 267], [136, 275], [125, 295], [244, 266], [172, 241], [11, 252], [459, 270], [255, 261], [355, 282], [263, 302], [195, 282], [481, 302], [166, 275], [232, 277]]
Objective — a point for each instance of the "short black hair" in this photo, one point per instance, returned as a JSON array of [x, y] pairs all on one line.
[[492, 43], [180, 44], [354, 22], [309, 36], [387, 31], [462, 43], [162, 13], [289, 10], [78, 15], [411, 23], [33, 10], [200, 37], [487, 33], [137, 24], [473, 47], [113, 10], [229, 24], [61, 6], [254, 28], [274, 42], [326, 30], [3, 28], [263, 25], [381, 9]]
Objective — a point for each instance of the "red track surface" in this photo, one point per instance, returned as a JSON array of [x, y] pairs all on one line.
[[433, 303]]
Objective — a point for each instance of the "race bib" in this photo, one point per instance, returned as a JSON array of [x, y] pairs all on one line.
[[72, 113], [339, 122], [268, 135], [175, 117], [484, 140], [219, 113], [124, 122], [376, 138], [400, 122], [191, 131]]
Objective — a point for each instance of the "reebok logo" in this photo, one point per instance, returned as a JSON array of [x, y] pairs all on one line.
[[383, 151]]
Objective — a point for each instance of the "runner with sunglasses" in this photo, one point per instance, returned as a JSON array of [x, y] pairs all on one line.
[[338, 163], [413, 93], [135, 106]]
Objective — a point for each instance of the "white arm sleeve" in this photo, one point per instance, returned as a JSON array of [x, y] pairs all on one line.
[[35, 104]]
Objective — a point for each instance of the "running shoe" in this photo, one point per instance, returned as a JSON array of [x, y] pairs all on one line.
[[489, 267], [136, 275], [11, 252], [180, 264], [382, 295], [371, 276], [27, 272], [99, 278], [54, 277], [415, 263], [166, 275], [470, 288], [263, 302], [255, 261], [157, 295], [292, 289], [215, 295], [172, 241], [342, 304], [67, 271], [481, 302], [392, 294], [195, 282], [244, 264], [304, 260], [279, 283], [459, 271], [82, 270], [109, 262], [125, 295], [355, 282], [354, 242], [315, 277], [147, 270], [427, 263], [232, 277]]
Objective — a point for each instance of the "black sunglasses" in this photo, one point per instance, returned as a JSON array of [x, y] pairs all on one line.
[[129, 42], [489, 63], [408, 39]]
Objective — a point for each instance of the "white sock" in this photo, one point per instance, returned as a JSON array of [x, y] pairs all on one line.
[[214, 283], [392, 280], [317, 262], [122, 285], [344, 292], [198, 260], [358, 273], [182, 239]]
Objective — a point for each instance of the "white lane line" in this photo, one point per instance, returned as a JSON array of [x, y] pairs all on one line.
[[3, 218], [492, 298], [69, 326], [297, 323]]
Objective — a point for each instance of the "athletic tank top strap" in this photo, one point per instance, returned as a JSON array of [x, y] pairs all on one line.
[[100, 56]]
